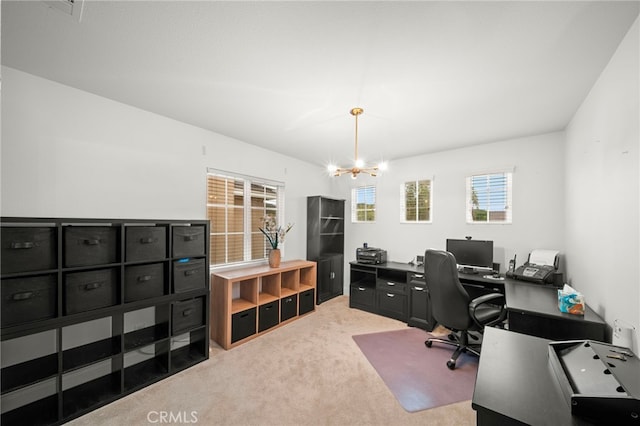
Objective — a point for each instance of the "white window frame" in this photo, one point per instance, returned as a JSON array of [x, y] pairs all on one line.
[[248, 232], [355, 192], [403, 204], [506, 195]]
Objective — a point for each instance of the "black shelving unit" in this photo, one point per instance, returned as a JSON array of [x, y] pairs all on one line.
[[94, 309], [325, 244]]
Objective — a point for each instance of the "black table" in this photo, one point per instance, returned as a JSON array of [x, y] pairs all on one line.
[[515, 384], [533, 309]]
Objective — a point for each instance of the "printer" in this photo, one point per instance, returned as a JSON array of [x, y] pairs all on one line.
[[371, 255]]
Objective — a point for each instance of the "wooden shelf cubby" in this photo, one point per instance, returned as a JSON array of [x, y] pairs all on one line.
[[244, 294], [269, 288], [247, 302]]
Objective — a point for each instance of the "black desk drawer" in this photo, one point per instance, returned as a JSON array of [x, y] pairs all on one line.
[[362, 296], [391, 286], [268, 316], [416, 278], [187, 314], [28, 299], [189, 275], [188, 241], [28, 249], [90, 245], [288, 307], [143, 282], [145, 243], [243, 324], [89, 290], [307, 301], [392, 305]]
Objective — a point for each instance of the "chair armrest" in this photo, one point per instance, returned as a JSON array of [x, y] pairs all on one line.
[[494, 299], [486, 298]]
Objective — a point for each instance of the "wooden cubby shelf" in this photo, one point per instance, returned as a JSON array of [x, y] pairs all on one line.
[[248, 302]]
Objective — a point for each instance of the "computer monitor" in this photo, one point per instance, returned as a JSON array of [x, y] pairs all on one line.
[[472, 255]]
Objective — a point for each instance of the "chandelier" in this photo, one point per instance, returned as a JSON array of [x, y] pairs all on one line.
[[358, 166]]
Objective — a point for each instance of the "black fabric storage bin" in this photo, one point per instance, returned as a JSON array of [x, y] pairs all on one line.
[[288, 307], [188, 241], [28, 249], [28, 299], [187, 314], [145, 243], [189, 274], [89, 290], [307, 301], [243, 324], [268, 316], [143, 281], [90, 245]]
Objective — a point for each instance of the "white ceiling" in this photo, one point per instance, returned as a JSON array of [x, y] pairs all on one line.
[[284, 75]]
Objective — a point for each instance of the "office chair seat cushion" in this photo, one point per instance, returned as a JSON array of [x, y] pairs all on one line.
[[487, 313]]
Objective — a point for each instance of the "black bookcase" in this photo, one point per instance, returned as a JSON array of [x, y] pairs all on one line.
[[325, 244], [94, 309]]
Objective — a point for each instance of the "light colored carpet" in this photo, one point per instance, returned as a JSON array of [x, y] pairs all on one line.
[[309, 372]]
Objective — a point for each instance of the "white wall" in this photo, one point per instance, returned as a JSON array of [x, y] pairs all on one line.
[[69, 153], [538, 207], [602, 188]]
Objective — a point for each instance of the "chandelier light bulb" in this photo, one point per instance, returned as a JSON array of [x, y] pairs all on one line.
[[359, 163]]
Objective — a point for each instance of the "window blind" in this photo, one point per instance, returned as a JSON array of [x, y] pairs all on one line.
[[363, 204], [237, 206], [415, 201], [489, 198]]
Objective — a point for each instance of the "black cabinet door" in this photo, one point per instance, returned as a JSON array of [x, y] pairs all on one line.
[[324, 283], [419, 307], [337, 282], [330, 277]]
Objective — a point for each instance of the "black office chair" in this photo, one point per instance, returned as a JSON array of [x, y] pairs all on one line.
[[453, 308]]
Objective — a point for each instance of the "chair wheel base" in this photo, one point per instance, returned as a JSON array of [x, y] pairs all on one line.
[[451, 364]]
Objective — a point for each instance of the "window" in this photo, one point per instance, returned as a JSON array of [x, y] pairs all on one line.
[[489, 198], [415, 201], [363, 204], [236, 207]]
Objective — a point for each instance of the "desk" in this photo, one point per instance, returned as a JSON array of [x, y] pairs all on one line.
[[392, 289], [398, 290], [515, 384], [477, 285], [533, 309]]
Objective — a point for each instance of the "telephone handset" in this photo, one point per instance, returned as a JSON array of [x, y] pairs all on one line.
[[512, 266]]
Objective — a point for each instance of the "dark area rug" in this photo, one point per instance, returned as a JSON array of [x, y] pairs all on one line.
[[418, 376]]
